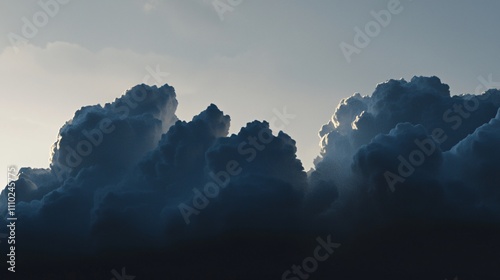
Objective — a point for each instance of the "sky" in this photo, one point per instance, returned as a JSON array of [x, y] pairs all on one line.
[[261, 57], [168, 137]]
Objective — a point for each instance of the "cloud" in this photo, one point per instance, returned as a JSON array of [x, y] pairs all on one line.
[[131, 184], [119, 133], [415, 172], [474, 165], [93, 150], [423, 100], [407, 160]]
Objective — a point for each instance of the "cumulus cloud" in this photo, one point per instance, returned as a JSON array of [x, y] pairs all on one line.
[[115, 135], [423, 101], [474, 163], [93, 150], [412, 158], [130, 184]]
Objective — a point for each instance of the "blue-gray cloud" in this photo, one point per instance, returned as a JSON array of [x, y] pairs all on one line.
[[130, 184]]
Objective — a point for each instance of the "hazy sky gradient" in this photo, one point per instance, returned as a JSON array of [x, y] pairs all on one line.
[[264, 55]]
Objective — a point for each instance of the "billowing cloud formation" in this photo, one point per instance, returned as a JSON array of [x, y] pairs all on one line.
[[400, 136], [93, 151], [410, 163], [406, 174]]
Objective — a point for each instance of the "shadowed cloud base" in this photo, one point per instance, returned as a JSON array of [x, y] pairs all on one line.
[[406, 181]]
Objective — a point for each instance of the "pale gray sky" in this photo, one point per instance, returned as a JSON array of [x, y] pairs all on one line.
[[263, 56]]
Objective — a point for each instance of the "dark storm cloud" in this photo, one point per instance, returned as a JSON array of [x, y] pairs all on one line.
[[118, 134], [118, 174], [179, 158], [412, 151], [129, 183], [263, 185], [424, 101], [474, 167], [93, 151]]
